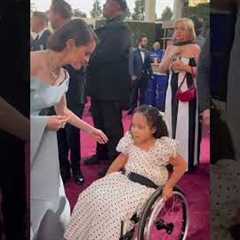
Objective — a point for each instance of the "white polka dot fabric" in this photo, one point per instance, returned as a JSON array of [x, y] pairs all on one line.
[[112, 199]]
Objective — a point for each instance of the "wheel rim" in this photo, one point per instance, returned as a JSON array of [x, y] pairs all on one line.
[[171, 218]]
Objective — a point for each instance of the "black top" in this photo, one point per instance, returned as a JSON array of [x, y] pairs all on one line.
[[108, 71], [76, 89], [41, 42]]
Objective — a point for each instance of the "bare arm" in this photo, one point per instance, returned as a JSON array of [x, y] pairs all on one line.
[[167, 58], [62, 109], [13, 122], [118, 163], [179, 166], [73, 119]]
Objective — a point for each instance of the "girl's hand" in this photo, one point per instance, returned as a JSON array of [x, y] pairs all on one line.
[[99, 136], [167, 192], [56, 122]]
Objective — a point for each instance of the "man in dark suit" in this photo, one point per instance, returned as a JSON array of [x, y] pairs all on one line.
[[140, 71], [39, 24], [108, 78], [69, 138]]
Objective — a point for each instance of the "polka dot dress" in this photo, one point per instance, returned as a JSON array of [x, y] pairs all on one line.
[[225, 197], [114, 198]]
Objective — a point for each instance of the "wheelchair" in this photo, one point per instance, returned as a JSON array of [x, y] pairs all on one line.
[[159, 219]]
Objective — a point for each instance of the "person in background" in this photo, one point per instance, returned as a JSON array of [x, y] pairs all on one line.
[[140, 70], [60, 13], [199, 28], [39, 26], [180, 61], [108, 80], [157, 85], [69, 138], [156, 54]]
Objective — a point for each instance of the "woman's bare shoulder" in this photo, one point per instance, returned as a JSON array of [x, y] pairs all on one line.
[[195, 47], [36, 62]]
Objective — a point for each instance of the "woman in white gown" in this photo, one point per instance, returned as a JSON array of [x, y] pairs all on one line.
[[72, 44], [180, 62]]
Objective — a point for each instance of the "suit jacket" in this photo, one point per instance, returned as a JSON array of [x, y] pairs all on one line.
[[108, 71], [41, 43], [76, 93], [142, 70]]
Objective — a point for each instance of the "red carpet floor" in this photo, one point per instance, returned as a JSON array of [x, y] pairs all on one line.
[[195, 185]]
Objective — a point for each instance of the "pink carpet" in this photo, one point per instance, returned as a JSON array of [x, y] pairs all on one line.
[[195, 185]]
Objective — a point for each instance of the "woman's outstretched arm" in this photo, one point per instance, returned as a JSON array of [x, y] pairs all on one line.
[[73, 119]]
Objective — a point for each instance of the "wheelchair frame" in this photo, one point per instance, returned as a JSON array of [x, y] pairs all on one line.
[[144, 234]]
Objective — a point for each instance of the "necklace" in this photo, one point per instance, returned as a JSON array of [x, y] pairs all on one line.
[[54, 71]]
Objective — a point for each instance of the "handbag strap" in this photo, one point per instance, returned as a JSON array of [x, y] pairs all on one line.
[[185, 77]]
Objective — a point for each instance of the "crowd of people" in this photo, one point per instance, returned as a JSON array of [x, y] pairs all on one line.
[[71, 64]]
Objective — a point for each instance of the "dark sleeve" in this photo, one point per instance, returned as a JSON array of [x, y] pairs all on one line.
[[113, 47], [203, 77], [131, 62], [149, 66], [47, 35]]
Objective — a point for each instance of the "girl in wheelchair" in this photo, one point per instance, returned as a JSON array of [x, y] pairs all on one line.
[[145, 151]]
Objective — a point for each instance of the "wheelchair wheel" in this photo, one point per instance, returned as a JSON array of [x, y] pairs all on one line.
[[164, 220]]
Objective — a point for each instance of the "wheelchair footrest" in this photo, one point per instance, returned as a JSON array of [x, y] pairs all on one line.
[[128, 235]]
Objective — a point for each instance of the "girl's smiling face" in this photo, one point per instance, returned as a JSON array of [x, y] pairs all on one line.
[[140, 129]]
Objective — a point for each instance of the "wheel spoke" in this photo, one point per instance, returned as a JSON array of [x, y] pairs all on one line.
[[169, 222]]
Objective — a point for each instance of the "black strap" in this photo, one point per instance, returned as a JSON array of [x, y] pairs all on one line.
[[135, 177], [185, 77]]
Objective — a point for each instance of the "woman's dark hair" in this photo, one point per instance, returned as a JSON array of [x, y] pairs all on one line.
[[76, 29], [154, 119]]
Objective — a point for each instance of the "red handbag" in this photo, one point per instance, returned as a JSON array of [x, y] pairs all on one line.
[[188, 95]]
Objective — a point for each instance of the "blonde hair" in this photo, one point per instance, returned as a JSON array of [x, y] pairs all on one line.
[[156, 43], [188, 23]]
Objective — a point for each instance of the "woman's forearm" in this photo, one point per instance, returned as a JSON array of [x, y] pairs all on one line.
[[77, 122], [62, 109], [13, 121]]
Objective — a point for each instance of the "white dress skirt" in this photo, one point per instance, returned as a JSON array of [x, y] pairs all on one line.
[[182, 119], [102, 207]]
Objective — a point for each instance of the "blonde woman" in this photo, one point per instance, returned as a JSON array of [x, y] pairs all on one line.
[[182, 116]]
